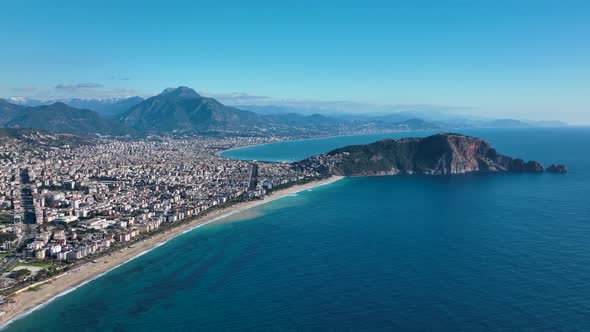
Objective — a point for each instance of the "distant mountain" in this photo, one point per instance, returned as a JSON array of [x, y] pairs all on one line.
[[416, 124], [184, 110], [296, 119], [8, 111], [24, 101], [286, 109], [433, 118], [505, 123], [270, 109], [106, 107], [393, 117], [294, 116], [61, 118], [547, 124]]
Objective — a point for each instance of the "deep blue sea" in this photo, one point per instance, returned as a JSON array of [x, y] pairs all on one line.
[[486, 252]]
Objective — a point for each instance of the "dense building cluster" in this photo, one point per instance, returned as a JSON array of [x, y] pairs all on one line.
[[64, 204]]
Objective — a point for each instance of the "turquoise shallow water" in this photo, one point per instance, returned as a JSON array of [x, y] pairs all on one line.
[[471, 252], [300, 149]]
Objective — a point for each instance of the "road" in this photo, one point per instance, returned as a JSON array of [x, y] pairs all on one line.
[[29, 219], [253, 177]]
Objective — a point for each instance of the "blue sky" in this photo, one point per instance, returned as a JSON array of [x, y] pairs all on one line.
[[521, 59]]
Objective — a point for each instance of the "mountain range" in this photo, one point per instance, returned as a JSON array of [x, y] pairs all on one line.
[[179, 111], [183, 111], [106, 107], [8, 111], [61, 118], [441, 119]]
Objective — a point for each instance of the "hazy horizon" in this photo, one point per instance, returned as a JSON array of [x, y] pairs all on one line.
[[527, 60]]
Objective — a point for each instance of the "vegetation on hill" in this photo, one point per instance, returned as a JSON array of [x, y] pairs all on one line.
[[436, 154]]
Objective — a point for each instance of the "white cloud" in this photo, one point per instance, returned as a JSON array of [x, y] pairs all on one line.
[[84, 85]]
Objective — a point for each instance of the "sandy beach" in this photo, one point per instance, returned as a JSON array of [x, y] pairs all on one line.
[[25, 301]]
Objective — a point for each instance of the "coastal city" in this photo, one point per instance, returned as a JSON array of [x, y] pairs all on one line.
[[294, 166], [62, 207]]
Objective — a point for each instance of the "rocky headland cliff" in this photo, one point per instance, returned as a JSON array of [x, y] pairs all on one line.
[[438, 154]]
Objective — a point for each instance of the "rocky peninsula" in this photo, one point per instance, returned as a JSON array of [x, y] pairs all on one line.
[[439, 154]]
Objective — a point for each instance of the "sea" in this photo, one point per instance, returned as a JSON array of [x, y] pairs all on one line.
[[477, 252]]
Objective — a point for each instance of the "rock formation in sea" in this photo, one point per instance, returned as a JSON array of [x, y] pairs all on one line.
[[438, 154], [557, 169]]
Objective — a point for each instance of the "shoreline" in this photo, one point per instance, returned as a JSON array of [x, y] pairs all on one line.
[[309, 139], [26, 302]]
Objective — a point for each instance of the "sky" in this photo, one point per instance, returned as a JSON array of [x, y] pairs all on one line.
[[493, 58]]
